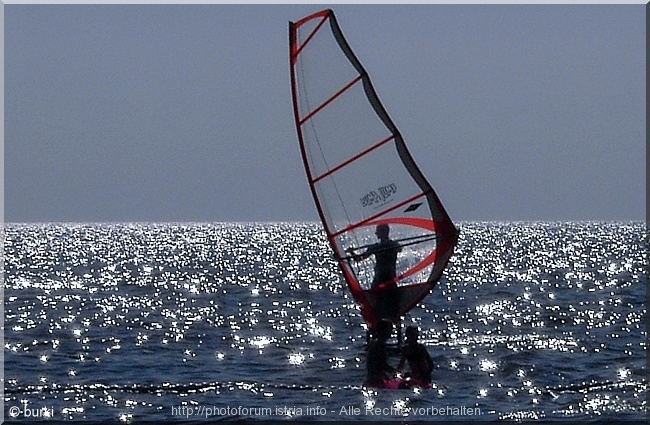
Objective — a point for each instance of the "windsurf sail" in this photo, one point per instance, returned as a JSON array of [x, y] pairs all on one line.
[[361, 174]]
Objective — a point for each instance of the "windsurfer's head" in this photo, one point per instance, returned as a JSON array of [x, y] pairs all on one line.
[[382, 231], [383, 329], [412, 333]]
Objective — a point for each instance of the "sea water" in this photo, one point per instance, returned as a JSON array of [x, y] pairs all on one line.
[[183, 322]]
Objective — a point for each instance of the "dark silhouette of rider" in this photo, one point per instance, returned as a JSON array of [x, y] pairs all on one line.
[[377, 367], [418, 359], [385, 252]]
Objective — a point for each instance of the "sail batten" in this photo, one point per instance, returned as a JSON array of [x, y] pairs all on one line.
[[360, 172], [354, 158], [331, 99], [322, 14]]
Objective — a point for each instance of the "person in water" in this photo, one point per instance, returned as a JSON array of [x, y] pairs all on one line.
[[417, 356], [385, 252], [377, 367]]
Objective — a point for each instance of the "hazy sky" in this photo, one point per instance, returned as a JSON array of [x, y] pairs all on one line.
[[183, 113]]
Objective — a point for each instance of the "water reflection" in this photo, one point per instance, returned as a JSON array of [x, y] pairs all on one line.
[[122, 320]]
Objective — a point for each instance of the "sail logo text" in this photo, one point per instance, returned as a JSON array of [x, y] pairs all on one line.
[[380, 195]]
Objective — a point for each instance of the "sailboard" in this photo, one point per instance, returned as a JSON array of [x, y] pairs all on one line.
[[361, 174]]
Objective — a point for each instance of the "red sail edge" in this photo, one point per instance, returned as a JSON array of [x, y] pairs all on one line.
[[359, 170]]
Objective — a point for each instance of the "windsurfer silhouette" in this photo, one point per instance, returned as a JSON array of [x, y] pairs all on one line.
[[385, 252], [418, 358], [377, 367]]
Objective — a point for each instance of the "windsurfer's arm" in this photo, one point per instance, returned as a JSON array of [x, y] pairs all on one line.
[[357, 257], [402, 360], [428, 361]]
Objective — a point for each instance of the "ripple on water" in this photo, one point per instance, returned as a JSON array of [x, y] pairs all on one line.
[[119, 321]]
